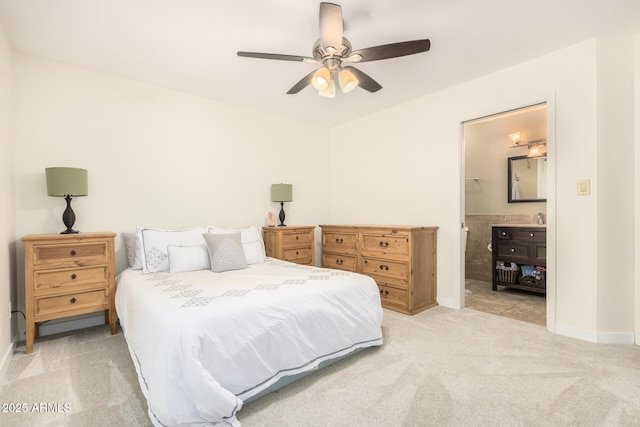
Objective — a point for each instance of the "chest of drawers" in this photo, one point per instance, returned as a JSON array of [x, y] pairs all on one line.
[[401, 259], [290, 243], [521, 246], [67, 275]]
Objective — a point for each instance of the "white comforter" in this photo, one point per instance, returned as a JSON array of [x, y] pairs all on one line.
[[203, 341]]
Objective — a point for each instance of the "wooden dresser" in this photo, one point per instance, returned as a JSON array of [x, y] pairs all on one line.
[[401, 259], [519, 246], [291, 243], [66, 275]]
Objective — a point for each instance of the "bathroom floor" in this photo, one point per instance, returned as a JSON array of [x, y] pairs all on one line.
[[520, 305]]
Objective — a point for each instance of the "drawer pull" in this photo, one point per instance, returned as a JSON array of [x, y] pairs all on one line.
[[339, 240], [73, 252], [297, 253], [384, 293], [512, 250], [339, 261], [384, 244], [297, 237], [73, 300], [384, 267], [73, 276], [532, 234], [504, 233]]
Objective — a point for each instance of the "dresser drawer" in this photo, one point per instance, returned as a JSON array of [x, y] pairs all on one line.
[[340, 241], [512, 251], [387, 243], [339, 261], [391, 297], [50, 279], [535, 236], [78, 302], [292, 239], [69, 252], [504, 233], [384, 267], [300, 255]]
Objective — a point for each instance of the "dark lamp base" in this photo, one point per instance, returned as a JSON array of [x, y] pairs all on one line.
[[281, 216], [68, 217]]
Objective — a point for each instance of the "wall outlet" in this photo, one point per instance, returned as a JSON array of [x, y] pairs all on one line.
[[584, 187]]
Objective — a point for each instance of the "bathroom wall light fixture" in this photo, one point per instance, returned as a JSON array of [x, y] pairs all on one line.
[[515, 137], [536, 147]]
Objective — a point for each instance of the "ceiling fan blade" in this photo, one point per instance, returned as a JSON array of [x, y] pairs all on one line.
[[364, 81], [331, 25], [277, 56], [387, 51], [306, 81]]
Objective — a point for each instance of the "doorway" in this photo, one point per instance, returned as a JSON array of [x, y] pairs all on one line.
[[497, 194]]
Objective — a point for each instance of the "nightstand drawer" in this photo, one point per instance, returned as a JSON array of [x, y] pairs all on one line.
[[47, 254], [384, 267], [339, 261], [52, 279], [387, 243], [339, 241], [75, 302], [301, 255], [292, 239]]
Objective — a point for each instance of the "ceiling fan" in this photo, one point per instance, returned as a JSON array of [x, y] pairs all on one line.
[[332, 50]]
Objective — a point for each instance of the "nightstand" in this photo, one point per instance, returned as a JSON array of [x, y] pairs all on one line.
[[291, 243], [66, 275]]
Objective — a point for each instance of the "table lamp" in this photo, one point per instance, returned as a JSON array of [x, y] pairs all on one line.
[[281, 193], [67, 183]]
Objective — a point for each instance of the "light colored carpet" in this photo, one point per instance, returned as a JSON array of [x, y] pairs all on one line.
[[441, 367]]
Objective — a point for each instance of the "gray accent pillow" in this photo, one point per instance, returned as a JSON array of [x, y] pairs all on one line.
[[225, 252], [134, 254]]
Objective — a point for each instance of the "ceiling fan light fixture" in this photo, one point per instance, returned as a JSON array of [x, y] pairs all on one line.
[[321, 79], [330, 91], [347, 80]]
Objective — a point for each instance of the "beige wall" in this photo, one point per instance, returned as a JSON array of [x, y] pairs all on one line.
[[7, 210], [162, 158], [637, 184], [155, 157], [403, 165], [615, 172], [486, 150]]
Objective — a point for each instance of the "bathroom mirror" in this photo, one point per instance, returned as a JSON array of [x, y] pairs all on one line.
[[527, 179]]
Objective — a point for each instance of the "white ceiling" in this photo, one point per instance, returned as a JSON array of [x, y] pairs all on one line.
[[191, 45]]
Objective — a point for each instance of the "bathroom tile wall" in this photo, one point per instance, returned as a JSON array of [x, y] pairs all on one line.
[[478, 256]]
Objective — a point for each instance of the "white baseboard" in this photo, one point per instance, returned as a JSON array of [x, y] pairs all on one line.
[[594, 336], [445, 302], [6, 360]]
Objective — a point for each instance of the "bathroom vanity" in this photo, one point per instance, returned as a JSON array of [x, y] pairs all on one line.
[[519, 255]]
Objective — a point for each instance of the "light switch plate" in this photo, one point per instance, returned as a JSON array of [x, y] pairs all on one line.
[[584, 187]]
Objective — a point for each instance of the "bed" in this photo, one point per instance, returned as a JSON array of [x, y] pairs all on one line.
[[204, 342]]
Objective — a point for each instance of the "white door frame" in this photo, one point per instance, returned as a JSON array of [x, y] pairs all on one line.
[[550, 100]]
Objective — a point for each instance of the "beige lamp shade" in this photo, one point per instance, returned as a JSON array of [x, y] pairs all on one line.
[[63, 182], [281, 192]]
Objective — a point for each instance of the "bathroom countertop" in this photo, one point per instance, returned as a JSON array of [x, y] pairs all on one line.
[[521, 225]]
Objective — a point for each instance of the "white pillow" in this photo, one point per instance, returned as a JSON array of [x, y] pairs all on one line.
[[134, 254], [154, 242], [188, 258], [225, 250], [252, 242]]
